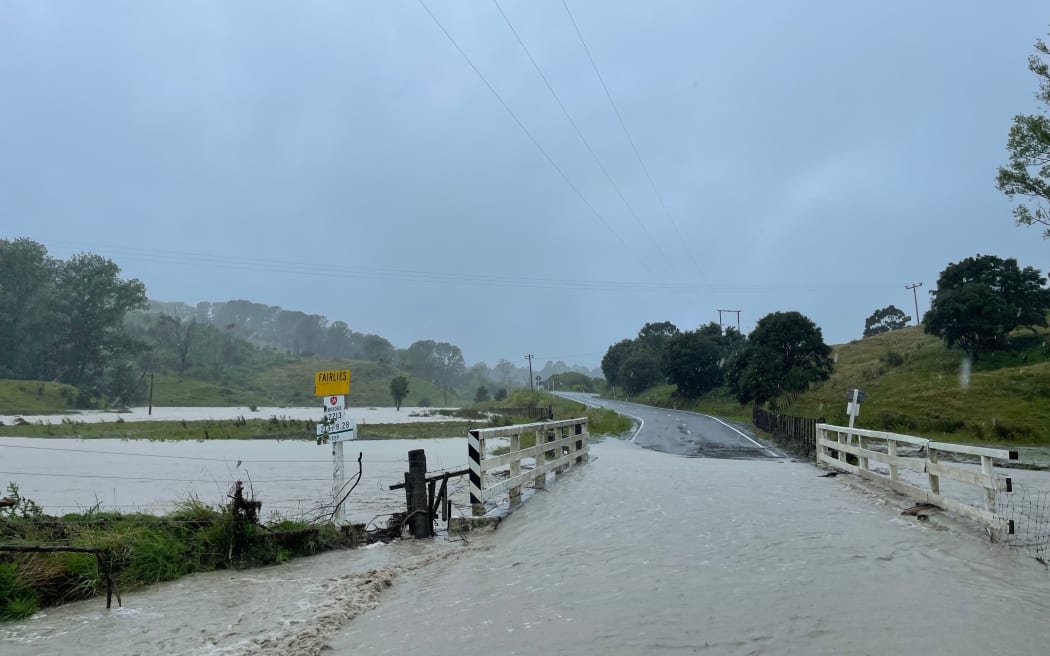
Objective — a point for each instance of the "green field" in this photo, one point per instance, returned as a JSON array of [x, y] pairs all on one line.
[[35, 397], [915, 385], [283, 384]]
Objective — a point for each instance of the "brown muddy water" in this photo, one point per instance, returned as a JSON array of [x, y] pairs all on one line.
[[638, 552]]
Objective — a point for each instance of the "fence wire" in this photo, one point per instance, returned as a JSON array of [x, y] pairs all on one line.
[[1029, 510]]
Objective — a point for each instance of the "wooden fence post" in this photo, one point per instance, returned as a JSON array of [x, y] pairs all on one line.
[[416, 491], [515, 469], [541, 459]]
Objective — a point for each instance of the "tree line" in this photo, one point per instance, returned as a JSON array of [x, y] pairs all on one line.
[[784, 354]]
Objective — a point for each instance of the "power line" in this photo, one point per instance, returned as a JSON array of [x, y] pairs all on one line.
[[627, 132], [524, 129], [579, 134]]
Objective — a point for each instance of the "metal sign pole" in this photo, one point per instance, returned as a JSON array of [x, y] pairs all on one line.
[[338, 482]]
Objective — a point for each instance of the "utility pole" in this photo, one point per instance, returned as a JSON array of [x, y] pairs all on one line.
[[915, 296], [532, 385], [737, 312]]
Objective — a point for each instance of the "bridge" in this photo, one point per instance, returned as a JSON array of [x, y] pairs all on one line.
[[734, 549]]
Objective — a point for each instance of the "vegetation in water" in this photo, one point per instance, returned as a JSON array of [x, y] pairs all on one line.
[[142, 549]]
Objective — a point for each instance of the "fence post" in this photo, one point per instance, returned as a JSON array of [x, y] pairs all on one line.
[[935, 480], [989, 493], [541, 459], [515, 469], [475, 453], [891, 450], [580, 430], [416, 490]]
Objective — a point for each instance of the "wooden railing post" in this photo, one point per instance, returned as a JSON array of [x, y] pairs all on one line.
[[935, 480], [515, 468], [541, 459], [989, 493], [891, 450]]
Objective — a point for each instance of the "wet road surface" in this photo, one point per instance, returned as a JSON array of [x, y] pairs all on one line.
[[684, 433]]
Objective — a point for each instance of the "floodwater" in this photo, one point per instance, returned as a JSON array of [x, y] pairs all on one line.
[[292, 478], [638, 552]]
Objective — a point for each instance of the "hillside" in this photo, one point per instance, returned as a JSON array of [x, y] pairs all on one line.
[[32, 396], [917, 386]]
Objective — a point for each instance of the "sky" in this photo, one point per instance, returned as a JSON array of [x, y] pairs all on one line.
[[346, 159]]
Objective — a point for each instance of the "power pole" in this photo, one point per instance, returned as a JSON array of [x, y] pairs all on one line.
[[915, 297], [737, 312], [532, 385]]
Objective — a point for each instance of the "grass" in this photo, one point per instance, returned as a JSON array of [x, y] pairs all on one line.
[[915, 385], [24, 397], [600, 422], [719, 402], [143, 549]]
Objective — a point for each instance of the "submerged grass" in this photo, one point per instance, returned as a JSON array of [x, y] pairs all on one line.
[[143, 549]]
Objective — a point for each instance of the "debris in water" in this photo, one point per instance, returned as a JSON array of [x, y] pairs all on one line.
[[829, 475]]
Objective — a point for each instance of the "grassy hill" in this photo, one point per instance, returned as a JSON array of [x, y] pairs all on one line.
[[31, 396], [917, 386], [284, 384]]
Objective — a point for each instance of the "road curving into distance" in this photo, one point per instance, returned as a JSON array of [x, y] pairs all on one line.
[[683, 433]]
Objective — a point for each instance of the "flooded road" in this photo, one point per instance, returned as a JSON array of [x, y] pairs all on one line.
[[683, 433], [637, 552]]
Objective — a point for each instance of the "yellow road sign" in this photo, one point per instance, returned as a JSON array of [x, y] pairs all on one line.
[[334, 382]]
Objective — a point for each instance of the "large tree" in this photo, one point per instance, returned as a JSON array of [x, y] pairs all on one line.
[[885, 320], [614, 358], [27, 291], [1028, 173], [784, 353], [90, 306], [979, 300], [639, 372], [692, 362]]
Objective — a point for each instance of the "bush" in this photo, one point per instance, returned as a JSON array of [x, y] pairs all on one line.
[[893, 358]]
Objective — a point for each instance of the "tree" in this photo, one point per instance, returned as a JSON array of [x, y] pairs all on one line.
[[1028, 173], [639, 372], [91, 303], [501, 394], [398, 390], [481, 395], [692, 361], [979, 300], [614, 358], [784, 353], [885, 320], [27, 289]]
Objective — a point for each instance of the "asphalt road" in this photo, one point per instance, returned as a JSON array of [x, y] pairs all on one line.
[[684, 433]]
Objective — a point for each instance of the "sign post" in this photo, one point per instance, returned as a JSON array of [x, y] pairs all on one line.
[[855, 397], [336, 428]]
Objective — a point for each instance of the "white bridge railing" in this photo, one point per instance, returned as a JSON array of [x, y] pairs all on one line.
[[868, 445], [559, 445]]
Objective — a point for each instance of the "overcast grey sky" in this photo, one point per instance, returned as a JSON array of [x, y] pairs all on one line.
[[342, 158]]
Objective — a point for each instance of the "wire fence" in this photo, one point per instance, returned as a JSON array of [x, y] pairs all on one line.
[[1029, 510]]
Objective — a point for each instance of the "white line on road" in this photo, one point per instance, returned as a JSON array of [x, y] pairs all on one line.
[[744, 435]]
